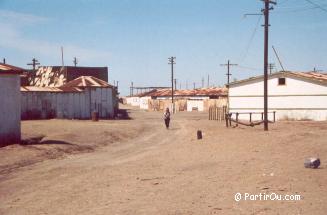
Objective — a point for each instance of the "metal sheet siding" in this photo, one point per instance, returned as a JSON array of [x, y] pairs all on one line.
[[10, 109]]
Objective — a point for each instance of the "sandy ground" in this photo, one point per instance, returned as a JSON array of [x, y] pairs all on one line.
[[138, 167]]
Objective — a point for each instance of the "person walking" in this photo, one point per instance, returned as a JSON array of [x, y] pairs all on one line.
[[167, 117]]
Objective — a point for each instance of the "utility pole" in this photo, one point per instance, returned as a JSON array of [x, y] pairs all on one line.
[[62, 56], [131, 89], [187, 85], [208, 83], [228, 71], [171, 61], [4, 60], [316, 70], [175, 82], [266, 34], [271, 67], [75, 61], [194, 85], [34, 63]]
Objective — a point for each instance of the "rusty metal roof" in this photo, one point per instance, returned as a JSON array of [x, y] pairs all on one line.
[[316, 77], [213, 91], [50, 89], [312, 75], [87, 81], [10, 69]]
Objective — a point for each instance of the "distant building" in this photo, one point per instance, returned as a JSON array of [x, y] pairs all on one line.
[[293, 95], [185, 100], [56, 76], [9, 104]]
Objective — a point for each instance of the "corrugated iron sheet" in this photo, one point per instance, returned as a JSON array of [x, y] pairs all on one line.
[[87, 81], [50, 89], [6, 68], [313, 75]]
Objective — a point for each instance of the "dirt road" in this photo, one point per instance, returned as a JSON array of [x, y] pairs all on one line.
[[138, 167]]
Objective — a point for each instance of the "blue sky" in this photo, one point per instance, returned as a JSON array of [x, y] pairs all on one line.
[[134, 38]]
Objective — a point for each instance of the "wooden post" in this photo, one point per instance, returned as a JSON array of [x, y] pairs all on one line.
[[262, 116], [237, 118], [216, 115], [250, 117], [230, 121], [274, 116], [226, 119], [209, 113], [224, 111]]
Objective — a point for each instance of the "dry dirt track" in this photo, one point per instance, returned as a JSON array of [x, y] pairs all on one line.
[[141, 168]]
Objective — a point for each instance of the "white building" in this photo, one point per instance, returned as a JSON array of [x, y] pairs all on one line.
[[134, 101], [293, 95], [10, 104]]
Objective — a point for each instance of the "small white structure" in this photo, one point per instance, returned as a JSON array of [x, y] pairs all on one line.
[[195, 105], [9, 104], [75, 100], [133, 100], [144, 102], [293, 95]]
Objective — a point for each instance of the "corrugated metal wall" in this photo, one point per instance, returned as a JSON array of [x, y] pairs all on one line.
[[9, 109], [69, 105]]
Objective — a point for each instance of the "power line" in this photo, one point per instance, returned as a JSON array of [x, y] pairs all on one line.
[[250, 68], [250, 41], [317, 5], [228, 64], [298, 10]]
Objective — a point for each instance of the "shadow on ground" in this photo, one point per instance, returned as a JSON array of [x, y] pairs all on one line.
[[123, 114]]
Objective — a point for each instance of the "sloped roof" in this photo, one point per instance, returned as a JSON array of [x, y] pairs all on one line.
[[316, 77], [213, 91], [87, 81], [312, 75], [50, 89], [10, 69]]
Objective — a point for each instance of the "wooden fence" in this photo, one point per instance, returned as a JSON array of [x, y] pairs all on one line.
[[229, 118], [217, 113]]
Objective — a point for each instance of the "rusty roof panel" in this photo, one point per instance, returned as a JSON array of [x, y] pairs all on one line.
[[313, 75], [50, 89], [213, 91], [317, 77], [10, 69], [87, 81]]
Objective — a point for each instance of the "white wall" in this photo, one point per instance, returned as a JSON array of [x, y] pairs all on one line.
[[144, 102], [134, 101], [298, 99], [9, 109], [195, 104], [71, 105]]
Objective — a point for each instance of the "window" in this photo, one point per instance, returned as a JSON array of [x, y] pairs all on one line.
[[281, 81]]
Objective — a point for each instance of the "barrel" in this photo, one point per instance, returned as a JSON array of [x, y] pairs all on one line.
[[199, 134], [95, 116]]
